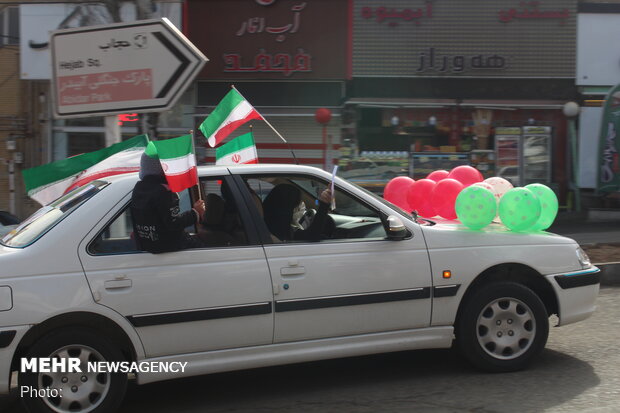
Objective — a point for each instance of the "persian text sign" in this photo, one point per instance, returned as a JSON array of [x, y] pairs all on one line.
[[118, 86], [140, 66], [292, 39], [609, 167]]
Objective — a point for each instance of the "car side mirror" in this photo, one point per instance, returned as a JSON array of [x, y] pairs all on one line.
[[396, 230]]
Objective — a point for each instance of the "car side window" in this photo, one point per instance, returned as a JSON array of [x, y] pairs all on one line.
[[292, 212], [221, 225], [116, 238]]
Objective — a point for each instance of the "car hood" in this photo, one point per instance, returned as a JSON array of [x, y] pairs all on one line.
[[453, 234]]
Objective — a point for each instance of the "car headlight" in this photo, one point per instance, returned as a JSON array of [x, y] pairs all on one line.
[[583, 258]]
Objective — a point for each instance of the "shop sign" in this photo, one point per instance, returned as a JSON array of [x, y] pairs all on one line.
[[259, 39], [431, 60], [609, 165], [508, 39], [530, 10]]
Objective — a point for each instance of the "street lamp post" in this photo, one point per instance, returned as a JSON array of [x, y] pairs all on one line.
[[571, 110]]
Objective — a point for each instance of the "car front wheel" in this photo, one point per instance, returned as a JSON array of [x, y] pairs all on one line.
[[66, 391], [503, 326]]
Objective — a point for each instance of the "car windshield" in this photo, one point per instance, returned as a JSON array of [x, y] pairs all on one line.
[[45, 218]]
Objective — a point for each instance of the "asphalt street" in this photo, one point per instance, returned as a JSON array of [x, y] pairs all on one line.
[[578, 372]]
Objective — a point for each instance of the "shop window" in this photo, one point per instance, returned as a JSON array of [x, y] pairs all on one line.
[[79, 143]]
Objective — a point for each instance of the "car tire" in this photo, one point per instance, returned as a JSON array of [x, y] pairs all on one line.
[[84, 392], [502, 327]]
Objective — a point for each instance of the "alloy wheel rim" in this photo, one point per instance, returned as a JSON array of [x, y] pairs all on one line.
[[81, 391], [506, 328]]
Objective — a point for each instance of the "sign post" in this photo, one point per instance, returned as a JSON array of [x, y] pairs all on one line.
[[142, 66]]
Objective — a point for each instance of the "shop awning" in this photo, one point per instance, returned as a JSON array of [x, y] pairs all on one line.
[[467, 103]]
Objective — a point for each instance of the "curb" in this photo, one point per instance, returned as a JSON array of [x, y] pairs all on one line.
[[610, 274]]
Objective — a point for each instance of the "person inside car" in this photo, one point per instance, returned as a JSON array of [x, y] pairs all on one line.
[[279, 209], [158, 224]]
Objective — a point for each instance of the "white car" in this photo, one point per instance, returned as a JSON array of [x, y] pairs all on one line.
[[73, 286]]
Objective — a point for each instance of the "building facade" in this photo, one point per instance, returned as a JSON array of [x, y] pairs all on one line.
[[412, 85]]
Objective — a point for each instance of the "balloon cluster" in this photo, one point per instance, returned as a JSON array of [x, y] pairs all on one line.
[[462, 193]]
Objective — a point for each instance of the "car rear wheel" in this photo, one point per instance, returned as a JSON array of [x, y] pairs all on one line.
[[503, 326], [85, 391]]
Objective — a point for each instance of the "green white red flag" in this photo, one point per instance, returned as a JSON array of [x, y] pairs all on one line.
[[240, 150], [48, 182], [232, 112], [178, 161]]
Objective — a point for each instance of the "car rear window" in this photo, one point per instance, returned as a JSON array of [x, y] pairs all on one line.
[[35, 226]]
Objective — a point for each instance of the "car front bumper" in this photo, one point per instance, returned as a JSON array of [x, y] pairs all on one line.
[[576, 292]]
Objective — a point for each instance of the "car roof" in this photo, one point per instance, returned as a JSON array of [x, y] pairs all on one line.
[[210, 170]]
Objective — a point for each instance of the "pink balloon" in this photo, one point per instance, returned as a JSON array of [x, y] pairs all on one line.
[[466, 175], [396, 191], [420, 197], [444, 197], [438, 175]]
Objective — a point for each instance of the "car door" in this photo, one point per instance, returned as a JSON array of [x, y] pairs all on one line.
[[194, 300], [354, 282]]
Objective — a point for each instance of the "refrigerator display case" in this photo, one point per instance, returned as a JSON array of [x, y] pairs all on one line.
[[523, 154], [508, 154], [536, 162]]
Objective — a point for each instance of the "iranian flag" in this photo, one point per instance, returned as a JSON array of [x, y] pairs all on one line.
[[48, 182], [238, 151], [178, 161], [232, 112]]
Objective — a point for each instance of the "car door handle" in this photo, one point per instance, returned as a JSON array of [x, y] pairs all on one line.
[[117, 284], [291, 271]]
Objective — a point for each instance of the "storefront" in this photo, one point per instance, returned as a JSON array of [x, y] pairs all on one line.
[[288, 58], [436, 81]]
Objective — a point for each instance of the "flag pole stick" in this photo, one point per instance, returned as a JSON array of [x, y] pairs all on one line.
[[191, 132], [271, 126]]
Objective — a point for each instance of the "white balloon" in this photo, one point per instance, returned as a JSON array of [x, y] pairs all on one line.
[[499, 186], [485, 185]]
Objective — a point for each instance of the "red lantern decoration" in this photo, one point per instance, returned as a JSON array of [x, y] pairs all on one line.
[[323, 116]]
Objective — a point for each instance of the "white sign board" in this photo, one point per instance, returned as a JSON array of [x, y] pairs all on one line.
[[598, 53], [143, 66], [37, 21]]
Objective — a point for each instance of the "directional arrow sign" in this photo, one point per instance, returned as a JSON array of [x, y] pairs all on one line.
[[142, 66]]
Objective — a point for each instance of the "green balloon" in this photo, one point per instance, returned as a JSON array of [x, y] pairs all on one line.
[[475, 207], [519, 209], [548, 206]]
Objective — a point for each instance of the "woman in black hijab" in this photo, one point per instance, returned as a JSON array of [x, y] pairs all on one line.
[[279, 207]]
